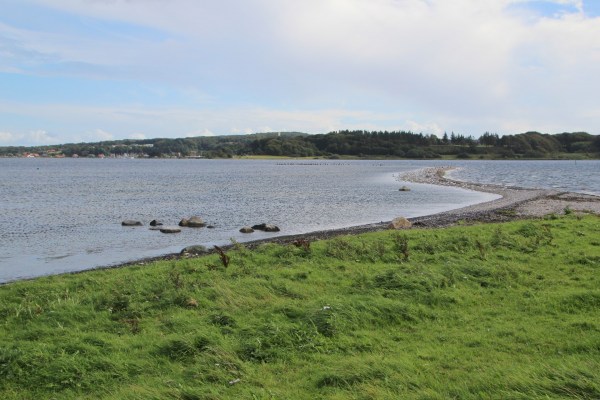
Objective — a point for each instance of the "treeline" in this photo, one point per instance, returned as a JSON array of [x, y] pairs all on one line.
[[392, 144]]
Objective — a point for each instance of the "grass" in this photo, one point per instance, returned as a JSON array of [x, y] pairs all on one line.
[[498, 311]]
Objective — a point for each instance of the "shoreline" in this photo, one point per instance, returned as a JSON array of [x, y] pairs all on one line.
[[514, 203]]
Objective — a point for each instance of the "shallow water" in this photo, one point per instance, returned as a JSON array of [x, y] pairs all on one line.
[[64, 214], [61, 215], [569, 175]]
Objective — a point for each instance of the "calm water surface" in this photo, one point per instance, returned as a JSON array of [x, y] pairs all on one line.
[[61, 215], [572, 176]]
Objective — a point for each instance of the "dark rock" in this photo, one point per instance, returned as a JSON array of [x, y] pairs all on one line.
[[183, 222], [210, 226], [246, 229], [404, 189], [130, 222], [266, 227], [155, 222], [194, 250], [170, 229]]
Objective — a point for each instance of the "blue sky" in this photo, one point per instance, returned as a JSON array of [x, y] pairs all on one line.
[[87, 70]]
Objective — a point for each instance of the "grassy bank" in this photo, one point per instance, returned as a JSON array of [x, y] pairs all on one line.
[[487, 311]]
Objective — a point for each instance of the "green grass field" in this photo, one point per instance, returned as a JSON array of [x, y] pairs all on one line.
[[491, 311]]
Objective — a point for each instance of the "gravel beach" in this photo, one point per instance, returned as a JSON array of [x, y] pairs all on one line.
[[514, 203]]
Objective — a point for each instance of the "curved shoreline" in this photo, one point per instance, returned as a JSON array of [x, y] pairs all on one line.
[[514, 203]]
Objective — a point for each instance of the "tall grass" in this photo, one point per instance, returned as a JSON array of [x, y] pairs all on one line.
[[487, 311]]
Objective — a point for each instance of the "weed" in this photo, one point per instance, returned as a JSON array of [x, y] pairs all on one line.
[[401, 245], [325, 321], [482, 249], [177, 350], [303, 244], [568, 211], [224, 257]]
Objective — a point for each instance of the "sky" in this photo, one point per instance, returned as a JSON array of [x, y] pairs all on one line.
[[92, 70]]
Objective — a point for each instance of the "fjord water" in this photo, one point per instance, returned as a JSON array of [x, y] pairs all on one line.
[[61, 215], [582, 176]]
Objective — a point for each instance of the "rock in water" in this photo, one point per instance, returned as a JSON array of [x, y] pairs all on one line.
[[196, 222], [266, 227], [183, 222], [170, 229], [130, 222], [400, 223], [404, 189], [246, 229], [155, 222]]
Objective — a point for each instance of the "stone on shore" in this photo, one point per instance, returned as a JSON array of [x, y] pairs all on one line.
[[194, 250], [400, 223], [266, 227], [130, 222], [246, 229], [170, 229]]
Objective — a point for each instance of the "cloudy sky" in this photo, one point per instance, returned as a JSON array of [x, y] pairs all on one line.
[[88, 70]]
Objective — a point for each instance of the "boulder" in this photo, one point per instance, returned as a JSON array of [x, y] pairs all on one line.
[[404, 189], [155, 222], [194, 250], [170, 229], [130, 222], [196, 222], [192, 222], [246, 229], [266, 227], [400, 223]]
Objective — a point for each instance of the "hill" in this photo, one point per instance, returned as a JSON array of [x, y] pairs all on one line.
[[361, 144]]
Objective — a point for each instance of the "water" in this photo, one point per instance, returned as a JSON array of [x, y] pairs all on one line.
[[573, 176], [61, 215]]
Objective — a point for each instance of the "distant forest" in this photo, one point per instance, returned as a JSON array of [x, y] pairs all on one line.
[[345, 143]]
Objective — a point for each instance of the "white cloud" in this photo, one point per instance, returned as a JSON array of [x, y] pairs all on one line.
[[319, 65], [37, 137], [139, 136], [6, 138], [41, 136], [100, 135], [200, 132], [428, 127]]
